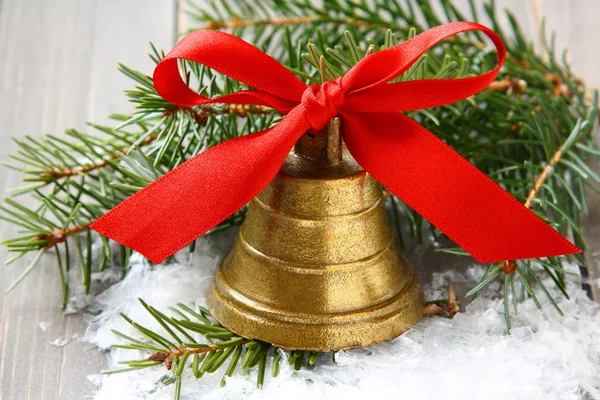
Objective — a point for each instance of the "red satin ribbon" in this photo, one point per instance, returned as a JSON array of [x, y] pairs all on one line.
[[402, 155]]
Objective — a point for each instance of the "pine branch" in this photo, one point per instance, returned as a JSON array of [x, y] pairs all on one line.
[[177, 346], [180, 349], [85, 176], [167, 357], [58, 173], [201, 116], [525, 271]]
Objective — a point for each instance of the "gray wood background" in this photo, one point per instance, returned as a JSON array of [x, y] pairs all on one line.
[[57, 70]]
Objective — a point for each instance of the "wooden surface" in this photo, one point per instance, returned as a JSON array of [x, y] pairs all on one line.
[[57, 70]]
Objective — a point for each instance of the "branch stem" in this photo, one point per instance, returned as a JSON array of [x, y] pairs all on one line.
[[167, 357], [59, 173], [201, 116], [60, 235], [509, 266], [542, 178], [240, 23]]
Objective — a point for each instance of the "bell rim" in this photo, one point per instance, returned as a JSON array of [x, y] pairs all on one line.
[[327, 332]]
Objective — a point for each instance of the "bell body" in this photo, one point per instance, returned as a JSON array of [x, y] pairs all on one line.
[[315, 266]]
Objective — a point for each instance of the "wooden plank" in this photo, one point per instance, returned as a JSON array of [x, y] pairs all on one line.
[[58, 69]]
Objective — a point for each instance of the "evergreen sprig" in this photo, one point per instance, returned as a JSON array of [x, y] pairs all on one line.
[[180, 348], [513, 131]]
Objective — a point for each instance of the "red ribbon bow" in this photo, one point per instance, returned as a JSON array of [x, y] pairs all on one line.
[[402, 155]]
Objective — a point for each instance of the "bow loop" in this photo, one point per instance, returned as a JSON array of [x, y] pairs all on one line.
[[205, 47], [321, 103]]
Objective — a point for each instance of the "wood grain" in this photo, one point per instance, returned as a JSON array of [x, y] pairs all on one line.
[[57, 70]]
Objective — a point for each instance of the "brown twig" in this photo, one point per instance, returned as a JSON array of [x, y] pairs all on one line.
[[241, 110], [60, 235], [542, 178], [278, 21], [167, 357], [560, 87], [59, 173], [239, 23], [509, 266], [444, 307], [508, 84], [201, 116]]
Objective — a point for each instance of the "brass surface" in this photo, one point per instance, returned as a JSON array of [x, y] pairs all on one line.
[[315, 266]]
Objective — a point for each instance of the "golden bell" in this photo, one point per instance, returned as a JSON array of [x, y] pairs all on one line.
[[315, 266]]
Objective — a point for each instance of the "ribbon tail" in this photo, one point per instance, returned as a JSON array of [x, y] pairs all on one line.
[[202, 192], [447, 190]]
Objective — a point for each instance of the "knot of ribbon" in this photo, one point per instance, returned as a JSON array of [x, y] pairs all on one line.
[[402, 155], [321, 103]]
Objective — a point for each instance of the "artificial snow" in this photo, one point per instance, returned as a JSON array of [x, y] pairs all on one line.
[[468, 357]]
